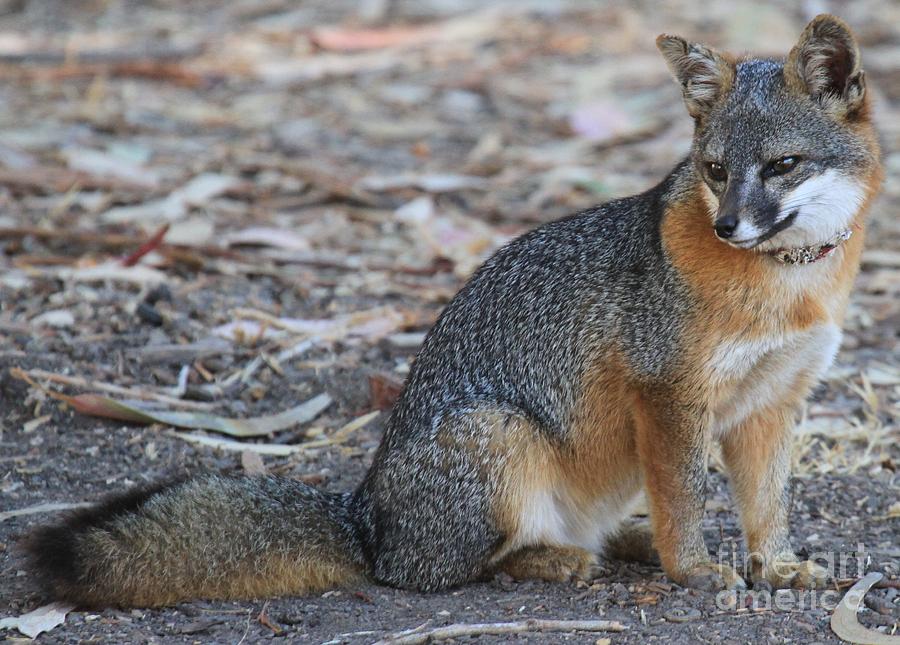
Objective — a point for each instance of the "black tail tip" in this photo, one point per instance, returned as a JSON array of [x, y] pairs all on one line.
[[52, 558], [54, 553]]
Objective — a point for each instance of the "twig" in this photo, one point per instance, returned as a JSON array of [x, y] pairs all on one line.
[[328, 180], [146, 247], [174, 73], [107, 240], [296, 350], [271, 449], [422, 635], [142, 52], [47, 179], [39, 508], [77, 381]]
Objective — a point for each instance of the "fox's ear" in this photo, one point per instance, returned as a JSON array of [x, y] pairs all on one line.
[[704, 75], [825, 64]]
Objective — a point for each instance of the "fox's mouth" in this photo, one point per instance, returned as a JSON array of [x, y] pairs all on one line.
[[776, 228]]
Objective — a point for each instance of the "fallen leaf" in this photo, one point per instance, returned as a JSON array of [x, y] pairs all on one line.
[[104, 164], [370, 324], [613, 120], [429, 183], [276, 449], [41, 620], [54, 318], [463, 240], [34, 424], [197, 192], [880, 374], [384, 388], [252, 463], [115, 272], [101, 406], [191, 231], [336, 38], [267, 236], [243, 331]]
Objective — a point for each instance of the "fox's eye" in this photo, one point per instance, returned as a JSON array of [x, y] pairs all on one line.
[[780, 166], [716, 171]]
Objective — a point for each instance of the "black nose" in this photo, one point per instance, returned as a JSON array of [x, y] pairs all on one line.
[[725, 226]]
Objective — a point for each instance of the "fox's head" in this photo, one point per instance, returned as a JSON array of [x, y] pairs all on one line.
[[784, 148]]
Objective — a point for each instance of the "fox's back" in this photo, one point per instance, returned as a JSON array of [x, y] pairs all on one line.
[[544, 309]]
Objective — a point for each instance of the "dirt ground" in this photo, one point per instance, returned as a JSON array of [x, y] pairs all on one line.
[[330, 172]]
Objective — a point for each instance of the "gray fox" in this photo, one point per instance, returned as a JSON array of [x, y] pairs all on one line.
[[590, 359]]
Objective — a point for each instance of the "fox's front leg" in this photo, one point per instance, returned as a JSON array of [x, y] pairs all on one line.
[[758, 456], [672, 446]]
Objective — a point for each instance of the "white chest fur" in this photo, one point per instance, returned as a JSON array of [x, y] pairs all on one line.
[[755, 373], [549, 514]]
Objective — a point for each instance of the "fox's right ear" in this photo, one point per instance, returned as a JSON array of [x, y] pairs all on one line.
[[825, 65], [704, 74]]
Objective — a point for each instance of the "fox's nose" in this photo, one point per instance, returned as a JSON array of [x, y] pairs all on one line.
[[725, 226]]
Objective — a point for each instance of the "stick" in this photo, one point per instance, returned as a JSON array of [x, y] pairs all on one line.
[[109, 240], [40, 508], [146, 247], [142, 52], [421, 635], [47, 179], [77, 381], [155, 70]]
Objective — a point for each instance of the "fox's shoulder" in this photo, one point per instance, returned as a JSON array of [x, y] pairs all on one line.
[[626, 229]]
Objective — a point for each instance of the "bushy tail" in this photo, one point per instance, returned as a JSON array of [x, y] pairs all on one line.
[[209, 537]]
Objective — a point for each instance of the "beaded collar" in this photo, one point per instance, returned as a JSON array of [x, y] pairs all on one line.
[[810, 254]]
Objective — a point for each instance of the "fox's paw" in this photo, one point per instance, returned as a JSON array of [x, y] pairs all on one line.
[[712, 577], [789, 573], [633, 542], [553, 563]]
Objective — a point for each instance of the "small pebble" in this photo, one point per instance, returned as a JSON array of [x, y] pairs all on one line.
[[682, 615], [149, 314]]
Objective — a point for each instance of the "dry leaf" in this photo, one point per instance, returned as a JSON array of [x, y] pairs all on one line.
[[277, 449], [101, 406], [197, 192], [429, 183], [371, 324], [115, 272], [41, 620], [894, 510], [384, 388], [267, 236], [54, 318], [336, 38], [252, 463]]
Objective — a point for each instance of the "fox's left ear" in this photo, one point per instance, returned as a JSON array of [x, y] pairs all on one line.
[[825, 64], [705, 75]]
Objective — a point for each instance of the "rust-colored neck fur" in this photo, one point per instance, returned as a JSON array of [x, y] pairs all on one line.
[[746, 292]]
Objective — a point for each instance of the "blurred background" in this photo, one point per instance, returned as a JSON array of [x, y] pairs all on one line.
[[235, 207]]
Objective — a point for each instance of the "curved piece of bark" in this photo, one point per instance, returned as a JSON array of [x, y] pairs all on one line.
[[844, 622]]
